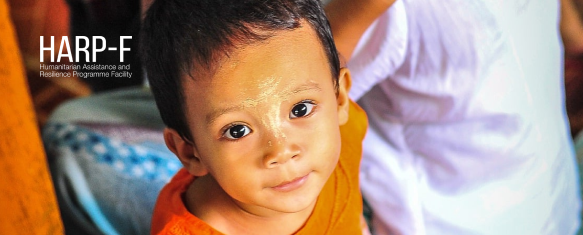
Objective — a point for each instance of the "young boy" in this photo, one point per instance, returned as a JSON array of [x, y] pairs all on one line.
[[253, 96]]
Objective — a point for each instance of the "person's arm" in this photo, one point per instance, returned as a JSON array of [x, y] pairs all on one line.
[[571, 29], [349, 19]]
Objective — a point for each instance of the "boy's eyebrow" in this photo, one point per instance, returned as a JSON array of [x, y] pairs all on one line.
[[306, 87], [211, 117]]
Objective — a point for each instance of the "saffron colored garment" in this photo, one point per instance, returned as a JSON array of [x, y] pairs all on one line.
[[337, 211], [468, 132]]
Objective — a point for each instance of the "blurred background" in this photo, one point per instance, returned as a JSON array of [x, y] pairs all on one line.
[[35, 18], [32, 19], [574, 92], [111, 19]]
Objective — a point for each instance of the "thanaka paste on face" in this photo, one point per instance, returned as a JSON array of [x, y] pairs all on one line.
[[269, 89]]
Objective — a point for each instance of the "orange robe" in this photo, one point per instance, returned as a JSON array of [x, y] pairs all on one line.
[[27, 196], [337, 211]]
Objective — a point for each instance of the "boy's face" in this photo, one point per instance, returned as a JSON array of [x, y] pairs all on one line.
[[266, 125]]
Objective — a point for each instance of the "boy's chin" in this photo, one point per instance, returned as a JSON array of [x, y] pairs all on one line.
[[296, 208], [295, 204]]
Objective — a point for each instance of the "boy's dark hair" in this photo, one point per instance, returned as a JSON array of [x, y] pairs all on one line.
[[181, 35]]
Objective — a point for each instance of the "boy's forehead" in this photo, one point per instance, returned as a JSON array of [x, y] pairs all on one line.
[[230, 56], [286, 63], [286, 53]]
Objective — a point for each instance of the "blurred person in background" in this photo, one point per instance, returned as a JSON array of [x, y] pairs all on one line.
[[468, 132]]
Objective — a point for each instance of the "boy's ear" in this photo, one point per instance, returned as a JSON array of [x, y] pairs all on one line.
[[185, 151], [344, 83]]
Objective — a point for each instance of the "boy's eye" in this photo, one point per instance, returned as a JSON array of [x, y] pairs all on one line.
[[236, 132], [302, 109]]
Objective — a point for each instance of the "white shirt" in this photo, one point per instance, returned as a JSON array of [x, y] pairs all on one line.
[[468, 131]]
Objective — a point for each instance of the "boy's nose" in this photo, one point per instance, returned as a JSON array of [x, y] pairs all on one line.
[[280, 151]]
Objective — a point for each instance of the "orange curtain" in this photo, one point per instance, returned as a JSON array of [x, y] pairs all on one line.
[[27, 198]]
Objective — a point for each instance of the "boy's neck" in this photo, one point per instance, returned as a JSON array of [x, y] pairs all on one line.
[[205, 199]]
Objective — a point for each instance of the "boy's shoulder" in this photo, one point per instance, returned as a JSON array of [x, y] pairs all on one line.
[[353, 131], [170, 214]]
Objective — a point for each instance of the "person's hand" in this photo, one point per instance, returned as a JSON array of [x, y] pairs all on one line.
[[349, 19], [571, 29]]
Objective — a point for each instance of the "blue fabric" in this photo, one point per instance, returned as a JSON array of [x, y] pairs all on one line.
[[115, 182], [149, 161]]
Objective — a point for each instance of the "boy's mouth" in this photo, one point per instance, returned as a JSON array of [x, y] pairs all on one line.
[[292, 185]]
